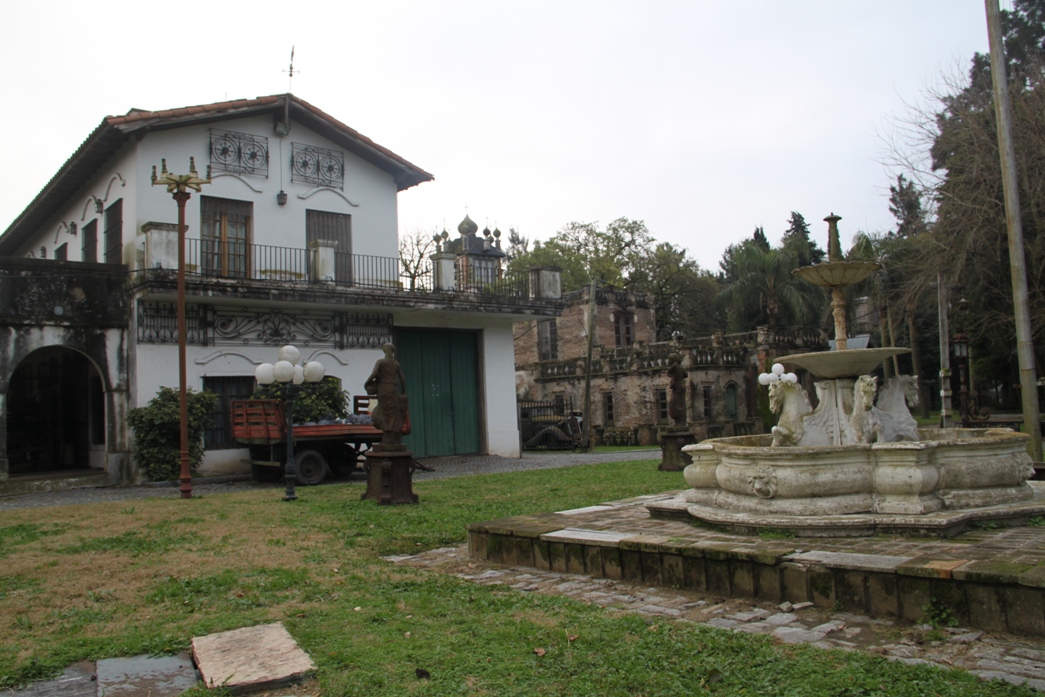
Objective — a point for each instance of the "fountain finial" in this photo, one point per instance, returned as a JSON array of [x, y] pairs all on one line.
[[834, 246]]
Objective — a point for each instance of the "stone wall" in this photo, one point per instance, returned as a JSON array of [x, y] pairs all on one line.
[[721, 370], [76, 306]]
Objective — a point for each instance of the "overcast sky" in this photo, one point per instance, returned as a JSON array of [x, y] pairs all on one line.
[[704, 119]]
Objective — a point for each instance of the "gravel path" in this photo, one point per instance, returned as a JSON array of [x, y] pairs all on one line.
[[444, 467]]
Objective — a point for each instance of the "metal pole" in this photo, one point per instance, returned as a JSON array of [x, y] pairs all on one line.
[[945, 351], [1017, 263], [289, 471], [587, 368], [181, 197]]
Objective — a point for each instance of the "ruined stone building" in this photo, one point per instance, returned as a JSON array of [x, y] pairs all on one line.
[[293, 241], [629, 384]]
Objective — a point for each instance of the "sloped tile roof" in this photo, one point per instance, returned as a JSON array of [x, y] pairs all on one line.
[[115, 131]]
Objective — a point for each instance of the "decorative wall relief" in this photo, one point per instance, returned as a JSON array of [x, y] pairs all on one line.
[[763, 482], [208, 325]]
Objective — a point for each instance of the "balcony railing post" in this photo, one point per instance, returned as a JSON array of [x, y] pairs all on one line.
[[322, 256], [161, 245], [545, 283], [443, 271]]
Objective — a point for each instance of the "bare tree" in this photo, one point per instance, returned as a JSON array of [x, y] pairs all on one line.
[[415, 248]]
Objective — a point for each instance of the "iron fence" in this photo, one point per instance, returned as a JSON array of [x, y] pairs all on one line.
[[238, 259]]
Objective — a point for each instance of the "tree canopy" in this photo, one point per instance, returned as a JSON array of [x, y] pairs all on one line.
[[624, 254]]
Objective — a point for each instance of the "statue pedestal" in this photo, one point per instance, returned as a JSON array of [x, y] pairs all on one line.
[[672, 441], [389, 475]]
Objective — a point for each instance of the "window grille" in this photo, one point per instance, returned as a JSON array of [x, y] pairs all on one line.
[[243, 153], [315, 165]]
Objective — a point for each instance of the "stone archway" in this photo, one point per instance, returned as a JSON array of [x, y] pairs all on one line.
[[55, 415]]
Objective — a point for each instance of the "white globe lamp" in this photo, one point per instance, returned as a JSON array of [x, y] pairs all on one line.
[[283, 371], [264, 375], [290, 354]]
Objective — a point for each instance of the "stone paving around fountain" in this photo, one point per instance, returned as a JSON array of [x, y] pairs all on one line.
[[991, 579], [991, 655]]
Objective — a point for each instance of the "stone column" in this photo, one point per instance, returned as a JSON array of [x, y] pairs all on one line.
[[443, 271], [161, 245]]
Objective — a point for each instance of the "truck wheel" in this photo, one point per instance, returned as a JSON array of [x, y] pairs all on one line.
[[309, 467], [266, 473], [346, 461]]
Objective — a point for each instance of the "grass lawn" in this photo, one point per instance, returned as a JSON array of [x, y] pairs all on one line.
[[105, 580]]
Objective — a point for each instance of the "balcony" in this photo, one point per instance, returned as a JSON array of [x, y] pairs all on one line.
[[239, 268]]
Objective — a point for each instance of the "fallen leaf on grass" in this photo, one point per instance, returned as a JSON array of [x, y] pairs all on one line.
[[539, 651], [571, 637]]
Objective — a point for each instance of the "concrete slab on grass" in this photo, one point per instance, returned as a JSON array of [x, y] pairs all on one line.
[[250, 659], [163, 676]]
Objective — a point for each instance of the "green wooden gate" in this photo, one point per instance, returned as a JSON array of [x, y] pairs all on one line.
[[441, 369]]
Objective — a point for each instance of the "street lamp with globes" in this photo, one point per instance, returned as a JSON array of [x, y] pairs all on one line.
[[290, 375]]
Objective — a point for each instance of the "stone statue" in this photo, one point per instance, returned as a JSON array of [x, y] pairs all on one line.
[[891, 409], [866, 428], [676, 390], [389, 384], [789, 399]]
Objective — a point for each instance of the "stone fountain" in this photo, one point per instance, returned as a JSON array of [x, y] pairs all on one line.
[[854, 465]]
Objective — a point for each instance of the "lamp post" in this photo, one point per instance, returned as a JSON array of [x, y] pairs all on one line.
[[290, 376], [178, 185], [960, 343]]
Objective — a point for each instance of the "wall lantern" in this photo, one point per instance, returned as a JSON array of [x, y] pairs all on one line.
[[281, 198]]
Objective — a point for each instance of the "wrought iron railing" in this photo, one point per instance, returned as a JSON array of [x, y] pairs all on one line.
[[238, 259], [257, 262]]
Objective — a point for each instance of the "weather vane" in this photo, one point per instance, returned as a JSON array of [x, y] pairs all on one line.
[[290, 71]]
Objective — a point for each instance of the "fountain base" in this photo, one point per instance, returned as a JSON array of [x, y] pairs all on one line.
[[942, 482], [941, 523]]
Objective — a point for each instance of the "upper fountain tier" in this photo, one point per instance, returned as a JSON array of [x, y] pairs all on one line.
[[837, 274]]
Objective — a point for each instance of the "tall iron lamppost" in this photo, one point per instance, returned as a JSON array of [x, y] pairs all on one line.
[[178, 186], [289, 375], [960, 343]]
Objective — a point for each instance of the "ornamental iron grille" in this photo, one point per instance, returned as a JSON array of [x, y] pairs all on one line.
[[243, 153], [315, 165], [213, 326], [158, 324]]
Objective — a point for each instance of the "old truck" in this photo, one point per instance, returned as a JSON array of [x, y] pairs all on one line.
[[319, 449]]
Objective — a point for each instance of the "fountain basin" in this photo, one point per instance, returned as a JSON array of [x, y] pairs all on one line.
[[831, 365], [947, 470]]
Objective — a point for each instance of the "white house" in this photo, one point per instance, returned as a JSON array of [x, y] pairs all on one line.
[[293, 241]]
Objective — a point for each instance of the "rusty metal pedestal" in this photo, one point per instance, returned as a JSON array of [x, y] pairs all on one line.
[[671, 443], [389, 475]]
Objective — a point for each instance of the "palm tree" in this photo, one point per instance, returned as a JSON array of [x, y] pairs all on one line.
[[761, 290]]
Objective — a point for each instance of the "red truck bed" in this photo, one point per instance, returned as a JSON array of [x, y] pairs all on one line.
[[262, 422]]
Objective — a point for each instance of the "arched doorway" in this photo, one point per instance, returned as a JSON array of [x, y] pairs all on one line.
[[55, 413]]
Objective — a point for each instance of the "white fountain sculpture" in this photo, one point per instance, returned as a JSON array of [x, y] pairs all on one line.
[[853, 466]]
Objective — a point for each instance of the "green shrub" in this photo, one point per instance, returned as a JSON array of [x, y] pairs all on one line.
[[314, 400], [157, 432]]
